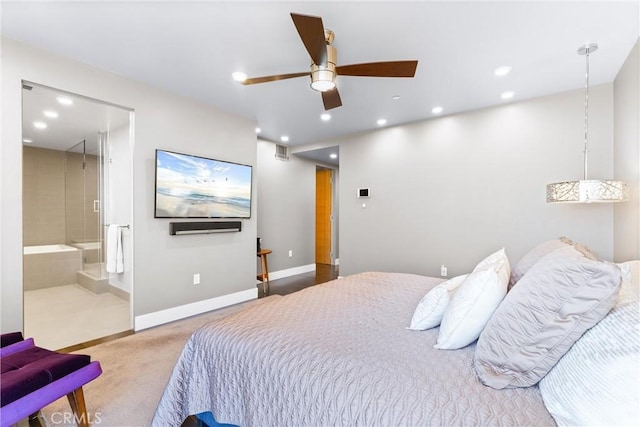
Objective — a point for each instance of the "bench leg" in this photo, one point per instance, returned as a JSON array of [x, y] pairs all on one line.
[[76, 401], [37, 420]]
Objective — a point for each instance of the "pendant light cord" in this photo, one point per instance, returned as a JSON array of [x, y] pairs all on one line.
[[586, 116]]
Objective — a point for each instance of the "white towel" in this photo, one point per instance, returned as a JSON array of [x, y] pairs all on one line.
[[115, 262]]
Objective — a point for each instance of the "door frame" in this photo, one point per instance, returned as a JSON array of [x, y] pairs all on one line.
[[129, 191]]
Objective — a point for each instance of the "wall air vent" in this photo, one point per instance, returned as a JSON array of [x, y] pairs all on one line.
[[282, 152]]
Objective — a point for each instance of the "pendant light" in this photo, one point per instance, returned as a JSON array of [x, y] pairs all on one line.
[[587, 190]]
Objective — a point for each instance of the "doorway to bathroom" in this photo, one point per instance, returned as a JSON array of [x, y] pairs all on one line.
[[77, 211]]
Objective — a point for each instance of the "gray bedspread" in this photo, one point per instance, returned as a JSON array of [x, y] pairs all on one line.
[[337, 354]]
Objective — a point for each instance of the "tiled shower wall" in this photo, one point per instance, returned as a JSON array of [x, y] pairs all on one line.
[[53, 209]]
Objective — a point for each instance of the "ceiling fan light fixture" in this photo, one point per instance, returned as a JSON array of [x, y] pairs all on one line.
[[323, 83], [323, 77]]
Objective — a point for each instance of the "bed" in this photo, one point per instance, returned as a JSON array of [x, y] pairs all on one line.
[[337, 354], [342, 354]]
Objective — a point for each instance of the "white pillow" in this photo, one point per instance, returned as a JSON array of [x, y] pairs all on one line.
[[497, 256], [596, 381], [630, 271], [473, 304], [432, 306]]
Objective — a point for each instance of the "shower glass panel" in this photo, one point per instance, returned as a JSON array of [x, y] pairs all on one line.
[[83, 218]]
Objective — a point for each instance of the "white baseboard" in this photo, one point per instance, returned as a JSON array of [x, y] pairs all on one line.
[[275, 275], [176, 313], [337, 261]]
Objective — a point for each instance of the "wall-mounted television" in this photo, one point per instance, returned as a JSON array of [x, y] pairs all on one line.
[[197, 187]]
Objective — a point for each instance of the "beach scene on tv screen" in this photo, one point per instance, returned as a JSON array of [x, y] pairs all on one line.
[[195, 187]]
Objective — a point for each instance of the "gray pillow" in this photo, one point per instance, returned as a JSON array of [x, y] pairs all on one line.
[[534, 255], [557, 300]]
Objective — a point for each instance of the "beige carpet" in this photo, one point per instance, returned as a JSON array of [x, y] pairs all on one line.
[[135, 370]]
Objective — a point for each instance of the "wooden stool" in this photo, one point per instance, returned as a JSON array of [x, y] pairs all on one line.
[[264, 275]]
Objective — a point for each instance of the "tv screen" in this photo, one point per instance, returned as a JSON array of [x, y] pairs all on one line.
[[196, 187]]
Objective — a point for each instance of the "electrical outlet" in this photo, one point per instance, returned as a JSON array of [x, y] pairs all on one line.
[[443, 270], [196, 279], [290, 253]]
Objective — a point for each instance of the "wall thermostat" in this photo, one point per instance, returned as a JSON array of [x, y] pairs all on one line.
[[363, 192]]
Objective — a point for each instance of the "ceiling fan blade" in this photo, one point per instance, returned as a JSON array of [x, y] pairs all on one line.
[[331, 99], [265, 79], [311, 32], [379, 69]]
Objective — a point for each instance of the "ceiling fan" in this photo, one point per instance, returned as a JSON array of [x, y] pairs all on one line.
[[317, 40]]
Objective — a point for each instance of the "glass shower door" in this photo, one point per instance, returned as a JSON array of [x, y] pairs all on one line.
[[83, 182]]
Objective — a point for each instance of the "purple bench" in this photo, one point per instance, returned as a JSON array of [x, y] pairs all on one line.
[[33, 377]]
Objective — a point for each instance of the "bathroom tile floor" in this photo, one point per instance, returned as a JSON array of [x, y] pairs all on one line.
[[63, 316]]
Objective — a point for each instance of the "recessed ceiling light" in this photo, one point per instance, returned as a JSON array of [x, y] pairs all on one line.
[[502, 71], [382, 122], [333, 155], [239, 76], [51, 114], [64, 100], [437, 110], [27, 140], [395, 97], [284, 138], [258, 130], [507, 95], [325, 116], [39, 125]]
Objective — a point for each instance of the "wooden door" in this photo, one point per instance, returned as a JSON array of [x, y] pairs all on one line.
[[323, 216]]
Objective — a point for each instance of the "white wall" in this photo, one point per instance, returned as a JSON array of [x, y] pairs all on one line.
[[286, 219], [164, 264], [453, 189], [627, 156], [119, 203]]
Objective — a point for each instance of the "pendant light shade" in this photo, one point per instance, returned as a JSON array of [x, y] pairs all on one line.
[[587, 190]]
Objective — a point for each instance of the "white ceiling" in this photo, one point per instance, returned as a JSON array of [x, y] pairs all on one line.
[[191, 48], [82, 120]]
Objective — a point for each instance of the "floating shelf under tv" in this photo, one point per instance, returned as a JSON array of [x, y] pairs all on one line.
[[182, 228]]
